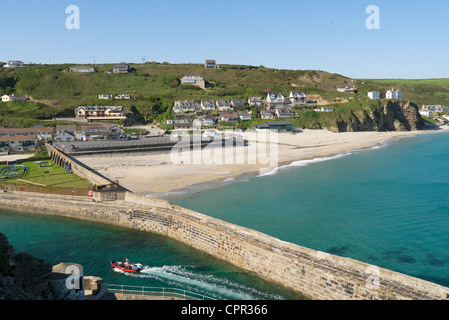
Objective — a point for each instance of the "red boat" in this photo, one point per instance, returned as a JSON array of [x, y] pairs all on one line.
[[126, 266]]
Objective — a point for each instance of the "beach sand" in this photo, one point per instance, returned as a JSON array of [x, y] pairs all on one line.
[[158, 174]]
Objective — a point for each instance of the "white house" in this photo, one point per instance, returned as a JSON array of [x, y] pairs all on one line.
[[182, 106], [393, 94], [347, 89], [13, 97], [266, 114], [208, 105], [235, 103], [245, 115], [374, 95], [105, 96], [194, 80], [123, 96], [324, 109], [426, 113], [223, 105], [275, 100], [13, 64], [297, 98], [255, 101]]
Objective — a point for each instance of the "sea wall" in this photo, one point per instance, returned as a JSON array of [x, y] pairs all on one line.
[[315, 274]]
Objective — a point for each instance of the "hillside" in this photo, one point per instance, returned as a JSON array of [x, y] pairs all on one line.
[[55, 92]]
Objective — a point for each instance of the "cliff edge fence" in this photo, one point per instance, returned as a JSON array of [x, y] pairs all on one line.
[[314, 274]]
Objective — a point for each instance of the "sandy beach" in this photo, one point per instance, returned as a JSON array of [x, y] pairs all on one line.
[[158, 174]]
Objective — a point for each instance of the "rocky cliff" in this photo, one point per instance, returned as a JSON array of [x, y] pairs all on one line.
[[386, 116], [22, 276]]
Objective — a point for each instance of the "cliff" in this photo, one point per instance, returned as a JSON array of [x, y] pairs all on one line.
[[22, 276], [386, 116]]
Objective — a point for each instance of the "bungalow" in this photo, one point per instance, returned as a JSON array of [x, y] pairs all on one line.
[[13, 64], [245, 116], [100, 112], [41, 133], [208, 105], [266, 114], [194, 80], [13, 97], [235, 103], [275, 100], [393, 94], [297, 98], [229, 118], [184, 126], [206, 121], [255, 101], [347, 89], [211, 64], [18, 143], [120, 68], [105, 96], [123, 96], [324, 109], [284, 113], [66, 128], [82, 69], [182, 106], [275, 126], [64, 136], [223, 105], [374, 95]]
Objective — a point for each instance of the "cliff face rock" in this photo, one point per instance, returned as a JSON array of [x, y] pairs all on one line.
[[22, 276], [389, 116]]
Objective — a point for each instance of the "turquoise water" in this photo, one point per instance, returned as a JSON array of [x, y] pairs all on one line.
[[167, 263], [387, 206]]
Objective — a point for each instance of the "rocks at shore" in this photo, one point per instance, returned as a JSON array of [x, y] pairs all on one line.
[[22, 276], [389, 116]]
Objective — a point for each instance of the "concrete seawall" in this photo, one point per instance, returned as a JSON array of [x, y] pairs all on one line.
[[315, 274]]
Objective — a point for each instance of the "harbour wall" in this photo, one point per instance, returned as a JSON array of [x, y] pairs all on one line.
[[315, 274]]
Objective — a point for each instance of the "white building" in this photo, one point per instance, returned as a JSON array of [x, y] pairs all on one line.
[[374, 95], [426, 113], [182, 106], [297, 98], [194, 80], [13, 64], [255, 101], [324, 109], [393, 94], [105, 96], [347, 89], [437, 108], [275, 100], [123, 96], [208, 105]]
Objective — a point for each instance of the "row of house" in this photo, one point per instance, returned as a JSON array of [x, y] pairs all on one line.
[[116, 97], [273, 101], [23, 139], [100, 112], [88, 133], [117, 68]]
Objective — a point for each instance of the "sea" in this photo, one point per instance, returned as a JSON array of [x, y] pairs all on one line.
[[387, 206]]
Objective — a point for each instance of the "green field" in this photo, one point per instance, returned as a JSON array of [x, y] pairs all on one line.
[[53, 176]]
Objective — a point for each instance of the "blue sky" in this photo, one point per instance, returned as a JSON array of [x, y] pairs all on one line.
[[328, 35]]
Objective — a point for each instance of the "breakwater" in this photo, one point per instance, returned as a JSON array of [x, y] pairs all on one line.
[[315, 274]]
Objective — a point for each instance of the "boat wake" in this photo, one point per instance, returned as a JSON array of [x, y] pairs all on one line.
[[206, 284]]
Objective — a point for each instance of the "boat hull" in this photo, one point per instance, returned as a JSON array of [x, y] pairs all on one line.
[[121, 266]]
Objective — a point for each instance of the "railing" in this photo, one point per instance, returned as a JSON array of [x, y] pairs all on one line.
[[157, 292], [41, 189]]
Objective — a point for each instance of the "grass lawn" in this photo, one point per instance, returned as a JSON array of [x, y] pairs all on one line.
[[53, 176]]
